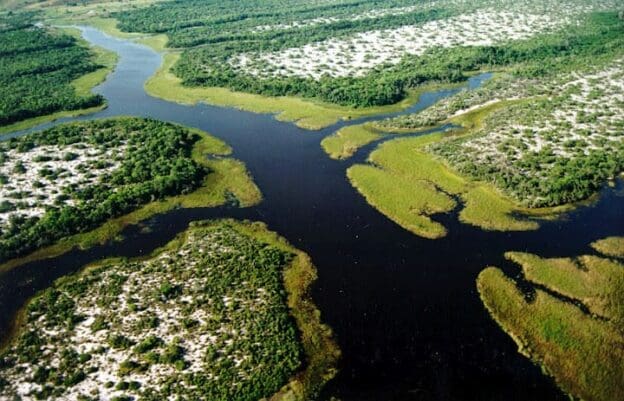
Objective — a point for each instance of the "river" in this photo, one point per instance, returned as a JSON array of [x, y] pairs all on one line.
[[404, 310]]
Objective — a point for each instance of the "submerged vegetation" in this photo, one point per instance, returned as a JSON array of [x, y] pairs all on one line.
[[570, 323], [74, 177], [39, 68], [222, 312]]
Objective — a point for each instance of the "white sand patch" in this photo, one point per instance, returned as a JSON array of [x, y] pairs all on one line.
[[364, 51], [45, 176], [125, 298]]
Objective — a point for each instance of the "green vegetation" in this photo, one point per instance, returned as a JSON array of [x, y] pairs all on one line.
[[43, 71], [214, 33], [612, 246], [222, 312], [551, 131], [140, 167], [308, 113], [409, 185], [344, 143], [581, 347], [406, 200]]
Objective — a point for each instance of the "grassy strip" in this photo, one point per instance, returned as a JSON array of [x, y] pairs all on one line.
[[612, 246], [487, 209], [306, 114], [321, 351], [344, 143], [83, 86], [107, 59], [597, 282], [33, 122], [228, 178], [583, 353], [407, 164], [109, 26], [406, 181], [156, 42], [407, 202]]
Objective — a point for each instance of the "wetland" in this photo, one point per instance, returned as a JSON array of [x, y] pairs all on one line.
[[404, 309]]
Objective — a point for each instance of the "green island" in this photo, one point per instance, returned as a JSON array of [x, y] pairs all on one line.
[[80, 184], [221, 313], [571, 321], [46, 73]]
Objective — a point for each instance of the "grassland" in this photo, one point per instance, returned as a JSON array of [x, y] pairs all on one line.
[[612, 246], [582, 348], [147, 327], [344, 143], [227, 181]]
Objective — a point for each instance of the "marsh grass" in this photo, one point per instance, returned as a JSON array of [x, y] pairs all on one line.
[[582, 351], [408, 185], [485, 208], [612, 246], [228, 177], [596, 282], [344, 143], [407, 202]]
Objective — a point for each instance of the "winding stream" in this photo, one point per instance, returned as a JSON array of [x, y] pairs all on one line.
[[405, 310]]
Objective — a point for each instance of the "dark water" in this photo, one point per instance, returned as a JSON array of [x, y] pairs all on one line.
[[404, 309]]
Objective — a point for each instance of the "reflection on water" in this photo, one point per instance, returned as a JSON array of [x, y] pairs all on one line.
[[405, 310]]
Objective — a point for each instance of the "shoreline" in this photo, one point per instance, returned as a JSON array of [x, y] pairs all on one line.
[[441, 188], [321, 350], [227, 175], [305, 113], [83, 85]]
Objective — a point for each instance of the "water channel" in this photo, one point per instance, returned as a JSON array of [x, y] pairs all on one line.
[[405, 310]]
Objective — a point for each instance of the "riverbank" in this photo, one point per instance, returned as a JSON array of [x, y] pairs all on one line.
[[570, 325], [83, 85], [136, 354], [227, 181], [322, 353], [410, 185], [305, 113]]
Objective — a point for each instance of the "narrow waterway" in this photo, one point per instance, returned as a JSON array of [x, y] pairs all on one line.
[[404, 310]]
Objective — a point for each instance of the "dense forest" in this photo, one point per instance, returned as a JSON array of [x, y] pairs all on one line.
[[201, 21], [156, 163], [237, 32], [37, 66]]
